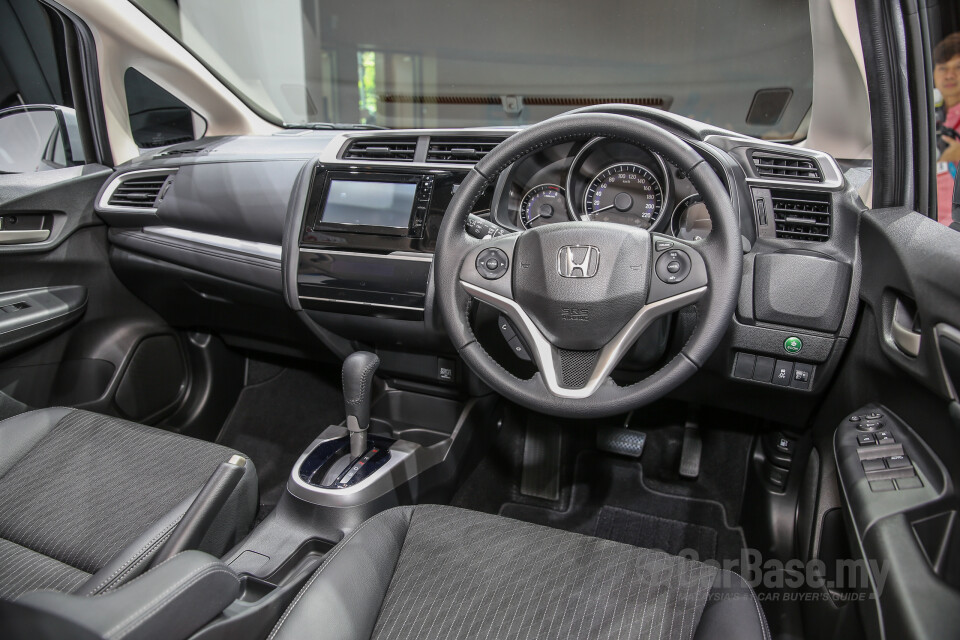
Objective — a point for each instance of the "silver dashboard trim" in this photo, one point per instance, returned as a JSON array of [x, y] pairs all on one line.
[[403, 466], [363, 304], [261, 250], [103, 203], [384, 256]]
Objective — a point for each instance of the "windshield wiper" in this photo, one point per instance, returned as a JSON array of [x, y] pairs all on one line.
[[332, 125]]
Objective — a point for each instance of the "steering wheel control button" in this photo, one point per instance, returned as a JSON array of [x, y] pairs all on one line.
[[673, 266], [782, 373], [663, 245], [518, 349], [492, 263], [792, 344]]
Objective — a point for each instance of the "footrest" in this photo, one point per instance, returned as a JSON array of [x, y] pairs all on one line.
[[624, 442]]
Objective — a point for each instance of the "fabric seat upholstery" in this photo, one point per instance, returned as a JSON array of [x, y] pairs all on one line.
[[415, 573], [86, 500]]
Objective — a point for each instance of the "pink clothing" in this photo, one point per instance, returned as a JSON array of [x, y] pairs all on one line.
[[945, 174]]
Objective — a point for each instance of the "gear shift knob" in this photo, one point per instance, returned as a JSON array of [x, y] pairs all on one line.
[[358, 370]]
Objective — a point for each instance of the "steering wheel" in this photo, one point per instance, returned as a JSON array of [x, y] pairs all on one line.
[[580, 293]]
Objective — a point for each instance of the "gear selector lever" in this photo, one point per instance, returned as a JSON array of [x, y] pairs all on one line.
[[358, 370]]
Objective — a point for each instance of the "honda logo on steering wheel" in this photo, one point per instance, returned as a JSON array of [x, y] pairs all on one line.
[[578, 261]]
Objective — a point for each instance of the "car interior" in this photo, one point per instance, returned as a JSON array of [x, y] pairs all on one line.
[[432, 319]]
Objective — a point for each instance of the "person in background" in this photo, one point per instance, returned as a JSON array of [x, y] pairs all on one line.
[[946, 78]]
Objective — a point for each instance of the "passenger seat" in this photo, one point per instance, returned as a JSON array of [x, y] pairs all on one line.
[[87, 500]]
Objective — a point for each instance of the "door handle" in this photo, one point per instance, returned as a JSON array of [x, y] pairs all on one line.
[[24, 236], [904, 335]]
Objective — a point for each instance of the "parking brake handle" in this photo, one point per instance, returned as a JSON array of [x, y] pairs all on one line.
[[358, 371]]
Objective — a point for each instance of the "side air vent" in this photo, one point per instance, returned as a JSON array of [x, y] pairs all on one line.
[[782, 166], [801, 215], [392, 149], [138, 192], [459, 150]]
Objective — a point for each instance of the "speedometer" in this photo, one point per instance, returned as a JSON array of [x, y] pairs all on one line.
[[543, 204], [627, 193]]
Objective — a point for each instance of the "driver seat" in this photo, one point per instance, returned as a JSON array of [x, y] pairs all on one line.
[[428, 571]]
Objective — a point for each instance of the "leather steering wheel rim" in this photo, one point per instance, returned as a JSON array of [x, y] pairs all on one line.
[[721, 253]]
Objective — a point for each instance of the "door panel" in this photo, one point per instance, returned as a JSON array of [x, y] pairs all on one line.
[[901, 513]]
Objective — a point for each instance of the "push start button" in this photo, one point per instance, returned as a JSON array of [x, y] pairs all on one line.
[[492, 263], [673, 266]]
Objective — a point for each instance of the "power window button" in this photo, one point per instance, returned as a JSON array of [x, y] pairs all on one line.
[[866, 439]]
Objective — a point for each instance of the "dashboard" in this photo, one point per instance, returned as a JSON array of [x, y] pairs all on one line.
[[600, 180], [312, 241]]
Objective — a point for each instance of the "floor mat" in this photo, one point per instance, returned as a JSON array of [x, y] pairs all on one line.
[[279, 413], [644, 530], [609, 499]]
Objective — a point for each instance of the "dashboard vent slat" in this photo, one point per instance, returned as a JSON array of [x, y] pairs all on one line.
[[460, 150], [391, 149], [138, 192], [782, 166], [801, 215]]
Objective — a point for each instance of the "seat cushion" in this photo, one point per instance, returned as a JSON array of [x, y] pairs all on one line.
[[441, 572], [77, 488]]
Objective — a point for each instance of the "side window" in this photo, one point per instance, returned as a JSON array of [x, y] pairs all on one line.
[[946, 80], [158, 118], [38, 125]]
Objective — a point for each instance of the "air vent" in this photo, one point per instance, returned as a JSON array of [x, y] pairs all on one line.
[[781, 166], [392, 149], [801, 215], [459, 150], [138, 193]]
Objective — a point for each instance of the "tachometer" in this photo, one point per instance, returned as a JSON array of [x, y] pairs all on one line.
[[627, 193], [543, 204]]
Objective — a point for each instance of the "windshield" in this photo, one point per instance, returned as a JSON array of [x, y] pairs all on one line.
[[745, 65]]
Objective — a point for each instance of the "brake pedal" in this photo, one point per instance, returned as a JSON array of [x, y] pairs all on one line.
[[691, 452], [622, 441]]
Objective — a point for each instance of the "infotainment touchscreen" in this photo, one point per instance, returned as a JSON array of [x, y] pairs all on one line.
[[369, 204]]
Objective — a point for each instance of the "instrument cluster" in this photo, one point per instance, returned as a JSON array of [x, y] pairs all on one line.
[[602, 180]]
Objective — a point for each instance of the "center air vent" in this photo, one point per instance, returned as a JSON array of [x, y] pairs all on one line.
[[460, 150], [801, 215], [392, 149], [138, 192], [782, 166]]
